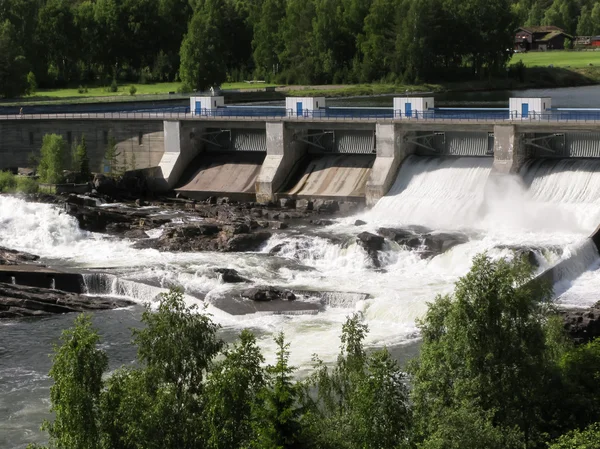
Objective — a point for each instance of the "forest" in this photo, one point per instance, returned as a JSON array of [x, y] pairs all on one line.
[[58, 43]]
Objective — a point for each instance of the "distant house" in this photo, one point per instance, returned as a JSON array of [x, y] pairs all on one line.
[[540, 38]]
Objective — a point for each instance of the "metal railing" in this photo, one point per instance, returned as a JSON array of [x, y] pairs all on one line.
[[327, 114]]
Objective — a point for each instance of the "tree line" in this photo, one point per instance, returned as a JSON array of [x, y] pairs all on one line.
[[495, 371], [55, 43]]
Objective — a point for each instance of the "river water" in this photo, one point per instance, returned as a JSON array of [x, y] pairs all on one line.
[[551, 209]]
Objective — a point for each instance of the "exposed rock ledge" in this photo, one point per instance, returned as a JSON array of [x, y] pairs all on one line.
[[583, 325], [20, 301]]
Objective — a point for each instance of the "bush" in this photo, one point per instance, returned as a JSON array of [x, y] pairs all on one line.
[[27, 185], [114, 87], [31, 83], [8, 182], [52, 159], [82, 90], [132, 90]]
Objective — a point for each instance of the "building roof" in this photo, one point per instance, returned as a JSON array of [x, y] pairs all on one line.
[[552, 35], [541, 29]]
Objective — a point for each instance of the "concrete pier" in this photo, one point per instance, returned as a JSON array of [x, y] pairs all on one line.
[[179, 151], [283, 154], [392, 149], [509, 149]]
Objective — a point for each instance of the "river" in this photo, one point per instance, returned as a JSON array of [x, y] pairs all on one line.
[[550, 209]]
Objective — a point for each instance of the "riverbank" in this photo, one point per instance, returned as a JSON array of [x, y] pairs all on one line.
[[530, 78]]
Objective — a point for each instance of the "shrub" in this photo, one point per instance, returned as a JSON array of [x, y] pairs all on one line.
[[52, 159], [132, 90], [82, 90], [31, 83], [8, 182], [27, 185], [114, 87]]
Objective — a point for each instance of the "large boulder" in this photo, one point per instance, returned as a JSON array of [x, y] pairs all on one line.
[[583, 325], [230, 276], [424, 242], [245, 242], [13, 257], [20, 301], [268, 294], [372, 244]]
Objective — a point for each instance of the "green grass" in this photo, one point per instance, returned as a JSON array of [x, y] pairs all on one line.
[[558, 58], [356, 90], [142, 89]]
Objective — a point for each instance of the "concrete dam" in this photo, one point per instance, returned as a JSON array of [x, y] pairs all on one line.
[[307, 150]]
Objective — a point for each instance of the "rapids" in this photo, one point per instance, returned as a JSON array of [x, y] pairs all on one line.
[[550, 208]]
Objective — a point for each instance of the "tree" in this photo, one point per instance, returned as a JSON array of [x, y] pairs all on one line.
[[536, 15], [111, 155], [82, 159], [266, 42], [277, 414], [13, 66], [202, 49], [52, 159], [361, 402], [485, 347], [232, 391], [77, 369], [160, 404], [579, 439]]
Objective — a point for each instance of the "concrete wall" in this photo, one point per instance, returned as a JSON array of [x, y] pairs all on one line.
[[140, 138], [509, 150], [283, 155], [391, 151]]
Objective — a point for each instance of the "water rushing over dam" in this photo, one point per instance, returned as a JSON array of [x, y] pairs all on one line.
[[545, 208]]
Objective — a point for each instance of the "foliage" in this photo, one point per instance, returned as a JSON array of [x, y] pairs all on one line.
[[485, 347], [31, 83], [27, 185], [132, 90], [277, 423], [202, 50], [13, 65], [8, 182], [52, 159], [579, 439], [77, 369], [361, 402], [82, 160], [111, 155]]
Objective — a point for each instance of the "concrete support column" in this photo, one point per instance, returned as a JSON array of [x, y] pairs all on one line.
[[509, 149], [391, 152], [181, 147], [283, 154]]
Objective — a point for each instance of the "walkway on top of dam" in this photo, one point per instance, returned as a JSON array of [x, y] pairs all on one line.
[[543, 123]]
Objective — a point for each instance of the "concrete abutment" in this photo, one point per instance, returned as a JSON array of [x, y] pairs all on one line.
[[392, 148], [509, 149]]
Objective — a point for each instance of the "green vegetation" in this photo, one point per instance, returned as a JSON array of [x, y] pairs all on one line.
[[111, 156], [53, 156], [10, 183], [81, 160], [495, 371], [558, 58]]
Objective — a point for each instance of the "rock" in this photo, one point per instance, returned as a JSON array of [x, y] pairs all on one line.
[[427, 244], [372, 244], [287, 203], [192, 230], [20, 301], [322, 222], [276, 249], [211, 200], [268, 294], [223, 200], [13, 257], [360, 223], [140, 202], [230, 276], [246, 242], [304, 205], [104, 185], [135, 234], [326, 206], [278, 225], [582, 325]]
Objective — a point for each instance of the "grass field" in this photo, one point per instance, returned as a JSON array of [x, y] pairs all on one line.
[[558, 58], [142, 89]]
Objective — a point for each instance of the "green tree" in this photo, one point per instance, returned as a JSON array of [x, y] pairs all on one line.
[[52, 159], [202, 49], [585, 25], [579, 439], [111, 155], [536, 15], [232, 390], [361, 402], [160, 404], [83, 161], [484, 346], [77, 369], [13, 66], [266, 43], [277, 414]]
